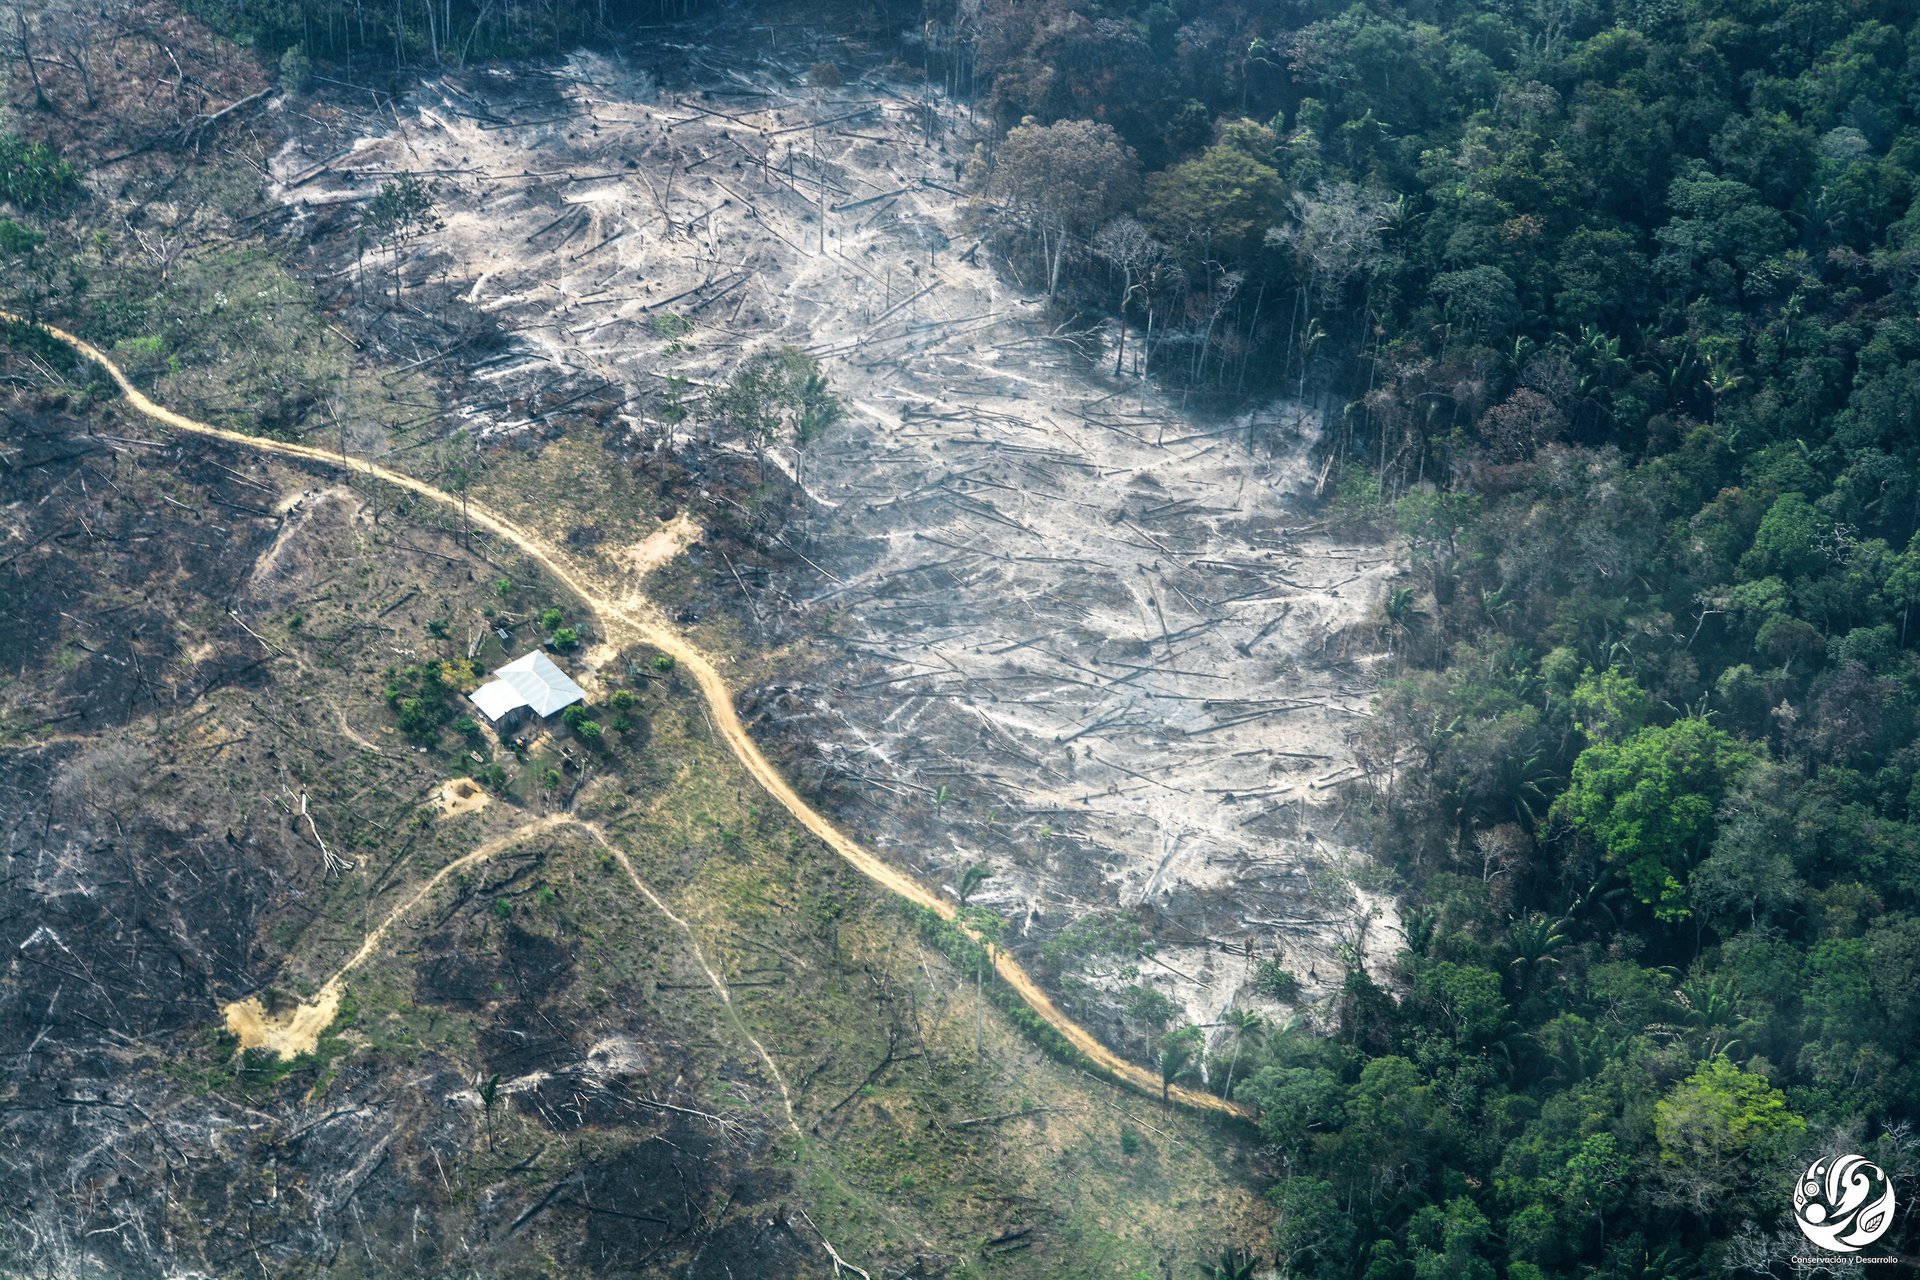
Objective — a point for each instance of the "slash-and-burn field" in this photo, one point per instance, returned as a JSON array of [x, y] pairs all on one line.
[[1021, 614], [621, 1022], [606, 1009]]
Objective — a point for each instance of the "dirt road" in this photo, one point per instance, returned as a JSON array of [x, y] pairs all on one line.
[[630, 618]]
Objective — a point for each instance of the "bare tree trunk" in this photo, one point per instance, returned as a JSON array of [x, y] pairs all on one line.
[[980, 1010], [26, 55]]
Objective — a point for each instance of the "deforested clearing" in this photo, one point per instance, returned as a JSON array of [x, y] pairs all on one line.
[[1053, 623]]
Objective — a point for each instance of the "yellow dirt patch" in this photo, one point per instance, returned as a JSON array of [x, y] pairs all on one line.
[[298, 1032], [289, 1034], [460, 795], [662, 545]]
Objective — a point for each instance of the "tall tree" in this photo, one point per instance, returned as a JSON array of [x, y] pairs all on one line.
[[399, 213], [1064, 180], [1648, 803], [1131, 250]]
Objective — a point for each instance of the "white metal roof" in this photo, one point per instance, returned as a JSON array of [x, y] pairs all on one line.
[[528, 681], [496, 699]]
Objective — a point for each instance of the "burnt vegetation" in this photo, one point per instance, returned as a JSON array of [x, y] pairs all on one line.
[[1606, 311], [159, 866]]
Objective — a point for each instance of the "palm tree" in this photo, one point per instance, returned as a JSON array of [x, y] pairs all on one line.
[[1419, 925], [1234, 1264], [1525, 779], [1245, 1022], [970, 880], [986, 927], [1721, 378], [489, 1094], [1176, 1058], [1403, 614], [1710, 1008], [1530, 947]]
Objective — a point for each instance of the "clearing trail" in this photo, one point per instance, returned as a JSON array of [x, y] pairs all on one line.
[[622, 615], [299, 1029]]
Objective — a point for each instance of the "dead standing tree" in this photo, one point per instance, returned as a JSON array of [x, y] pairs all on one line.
[[66, 35], [1336, 233], [1133, 252]]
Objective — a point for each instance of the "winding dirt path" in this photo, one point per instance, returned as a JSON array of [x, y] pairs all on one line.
[[299, 1031], [632, 618]]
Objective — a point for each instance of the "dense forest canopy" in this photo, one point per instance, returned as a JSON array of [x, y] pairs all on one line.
[[1612, 307]]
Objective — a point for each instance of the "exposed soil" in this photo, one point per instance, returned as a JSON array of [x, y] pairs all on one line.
[[513, 1051], [298, 1029], [1055, 624], [660, 546], [456, 796], [629, 618]]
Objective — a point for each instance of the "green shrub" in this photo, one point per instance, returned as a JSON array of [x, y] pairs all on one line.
[[296, 69], [1275, 982], [31, 174], [420, 698], [1145, 1004], [16, 240], [416, 716]]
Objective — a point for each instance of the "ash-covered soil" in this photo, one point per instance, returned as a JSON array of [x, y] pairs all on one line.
[[191, 639], [1054, 623]]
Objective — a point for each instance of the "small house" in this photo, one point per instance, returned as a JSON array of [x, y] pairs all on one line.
[[528, 683]]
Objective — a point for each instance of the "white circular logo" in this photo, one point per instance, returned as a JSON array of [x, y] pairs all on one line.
[[1843, 1203]]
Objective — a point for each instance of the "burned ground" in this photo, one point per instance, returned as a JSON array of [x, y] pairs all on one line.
[[675, 963], [189, 652], [90, 572], [1011, 611], [542, 1066]]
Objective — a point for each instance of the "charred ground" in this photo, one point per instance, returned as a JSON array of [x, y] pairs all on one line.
[[1006, 611], [537, 1072]]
